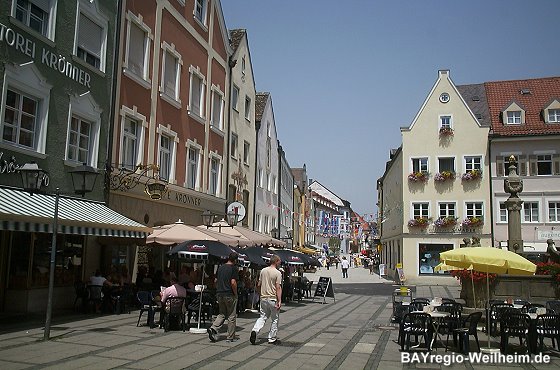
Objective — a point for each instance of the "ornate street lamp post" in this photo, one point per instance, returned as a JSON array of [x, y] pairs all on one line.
[[83, 179]]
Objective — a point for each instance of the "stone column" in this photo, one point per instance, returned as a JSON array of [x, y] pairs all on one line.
[[514, 185]]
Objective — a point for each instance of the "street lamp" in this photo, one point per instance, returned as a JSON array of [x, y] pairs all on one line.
[[83, 179], [207, 218], [231, 218]]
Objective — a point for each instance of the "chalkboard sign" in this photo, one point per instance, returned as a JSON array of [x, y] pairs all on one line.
[[324, 288]]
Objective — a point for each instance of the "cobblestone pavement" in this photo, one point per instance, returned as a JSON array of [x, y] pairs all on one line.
[[352, 333]]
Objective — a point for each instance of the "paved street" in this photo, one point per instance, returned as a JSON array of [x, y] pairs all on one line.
[[353, 333]]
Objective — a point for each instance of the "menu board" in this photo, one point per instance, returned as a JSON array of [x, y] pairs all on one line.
[[324, 288]]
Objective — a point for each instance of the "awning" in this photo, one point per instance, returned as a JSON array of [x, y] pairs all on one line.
[[20, 211]]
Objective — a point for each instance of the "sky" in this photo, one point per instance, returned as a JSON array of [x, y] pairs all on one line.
[[344, 76]]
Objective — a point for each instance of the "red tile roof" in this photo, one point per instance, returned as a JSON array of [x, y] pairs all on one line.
[[501, 94]]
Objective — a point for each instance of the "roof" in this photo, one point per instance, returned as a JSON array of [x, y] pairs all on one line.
[[322, 191], [501, 94], [260, 104], [475, 97], [235, 37]]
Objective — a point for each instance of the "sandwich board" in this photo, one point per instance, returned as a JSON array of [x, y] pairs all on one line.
[[324, 289]]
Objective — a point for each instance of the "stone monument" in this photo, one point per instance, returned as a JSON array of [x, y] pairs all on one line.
[[514, 185]]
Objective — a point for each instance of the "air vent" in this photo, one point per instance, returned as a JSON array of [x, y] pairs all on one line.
[[476, 98], [525, 92]]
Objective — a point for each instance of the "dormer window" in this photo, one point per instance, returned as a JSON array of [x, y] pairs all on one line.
[[552, 112], [513, 117]]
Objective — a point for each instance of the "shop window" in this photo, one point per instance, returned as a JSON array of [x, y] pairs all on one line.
[[19, 260], [68, 263], [428, 257]]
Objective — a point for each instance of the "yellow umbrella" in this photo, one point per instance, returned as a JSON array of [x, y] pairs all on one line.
[[489, 260]]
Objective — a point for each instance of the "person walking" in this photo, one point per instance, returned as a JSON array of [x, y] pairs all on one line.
[[344, 265], [336, 262], [270, 287], [226, 293]]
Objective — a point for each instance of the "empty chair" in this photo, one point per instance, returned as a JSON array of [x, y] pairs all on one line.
[[416, 324], [548, 326], [554, 306], [514, 324], [147, 304], [496, 311], [467, 328], [174, 311]]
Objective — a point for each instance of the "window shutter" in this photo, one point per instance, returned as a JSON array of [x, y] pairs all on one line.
[[90, 35], [556, 164], [533, 165], [136, 49], [522, 165], [499, 166], [170, 74]]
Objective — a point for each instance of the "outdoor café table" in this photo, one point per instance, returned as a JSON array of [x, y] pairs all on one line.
[[437, 318]]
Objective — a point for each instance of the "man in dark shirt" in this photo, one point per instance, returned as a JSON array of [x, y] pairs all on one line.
[[226, 292]]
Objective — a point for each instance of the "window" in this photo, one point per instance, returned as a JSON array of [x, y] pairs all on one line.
[[445, 121], [192, 167], [446, 164], [428, 257], [258, 222], [233, 146], [217, 104], [90, 41], [420, 210], [554, 115], [274, 185], [34, 14], [247, 108], [420, 165], [474, 209], [234, 97], [79, 140], [446, 210], [130, 144], [165, 151], [200, 10], [268, 153], [214, 176], [260, 178], [267, 181], [246, 148], [544, 165], [170, 83], [243, 65], [531, 211], [473, 163], [503, 212], [137, 50], [196, 102], [266, 224], [513, 117], [20, 119], [554, 211]]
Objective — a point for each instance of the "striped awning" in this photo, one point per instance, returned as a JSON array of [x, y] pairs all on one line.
[[20, 211]]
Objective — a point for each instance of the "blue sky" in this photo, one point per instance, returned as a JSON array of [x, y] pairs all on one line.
[[345, 75]]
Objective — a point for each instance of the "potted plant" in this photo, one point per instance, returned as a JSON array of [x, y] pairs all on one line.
[[445, 131], [418, 177], [445, 222], [471, 175], [444, 176], [472, 222], [419, 222]]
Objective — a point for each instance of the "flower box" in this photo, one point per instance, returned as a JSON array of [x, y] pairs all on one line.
[[444, 176], [418, 177], [472, 222], [419, 222], [471, 175], [445, 222], [445, 131]]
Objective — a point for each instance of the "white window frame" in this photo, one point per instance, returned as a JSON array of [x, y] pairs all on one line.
[[529, 206], [471, 209], [449, 206], [144, 78], [235, 97], [502, 216], [51, 22], [86, 108], [195, 72], [274, 185], [511, 117], [553, 115], [260, 177], [420, 209], [89, 9], [247, 108], [258, 224], [540, 159], [246, 152], [469, 162], [166, 131], [440, 121], [556, 213], [201, 16], [215, 157], [195, 146], [234, 143], [217, 94], [420, 164], [266, 224], [133, 114], [169, 49], [27, 79], [454, 170], [268, 180]]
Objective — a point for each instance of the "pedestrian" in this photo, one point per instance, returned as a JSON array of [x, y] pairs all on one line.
[[345, 265], [336, 261], [371, 267], [226, 293], [269, 283]]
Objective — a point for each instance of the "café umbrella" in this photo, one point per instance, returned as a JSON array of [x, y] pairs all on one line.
[[490, 261]]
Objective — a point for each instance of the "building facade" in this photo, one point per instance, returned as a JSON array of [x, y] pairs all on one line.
[[329, 212], [303, 207]]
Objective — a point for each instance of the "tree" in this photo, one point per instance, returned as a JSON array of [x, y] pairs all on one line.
[[334, 246]]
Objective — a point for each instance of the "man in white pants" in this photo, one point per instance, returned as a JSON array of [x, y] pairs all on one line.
[[270, 281]]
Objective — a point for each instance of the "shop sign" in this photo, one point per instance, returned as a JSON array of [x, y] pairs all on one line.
[[551, 234], [47, 57], [11, 166]]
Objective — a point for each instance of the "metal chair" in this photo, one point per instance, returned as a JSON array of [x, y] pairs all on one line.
[[467, 328], [548, 326], [416, 324], [514, 324], [173, 310]]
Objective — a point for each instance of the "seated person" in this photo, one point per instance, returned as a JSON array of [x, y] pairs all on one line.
[[95, 294], [174, 290]]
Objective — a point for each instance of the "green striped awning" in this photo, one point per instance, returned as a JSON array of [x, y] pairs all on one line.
[[20, 211]]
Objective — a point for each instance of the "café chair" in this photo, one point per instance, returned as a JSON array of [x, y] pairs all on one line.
[[531, 307], [447, 300], [452, 321], [95, 297], [554, 306], [173, 311], [514, 324], [496, 311], [521, 302], [467, 328], [416, 324], [82, 295], [422, 300], [147, 304], [548, 326], [417, 306]]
